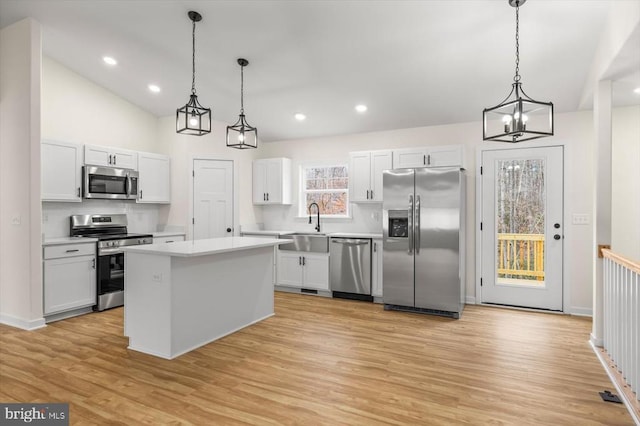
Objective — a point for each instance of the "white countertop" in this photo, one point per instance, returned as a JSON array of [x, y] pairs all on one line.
[[356, 235], [267, 232], [67, 240], [204, 247], [330, 234], [168, 234]]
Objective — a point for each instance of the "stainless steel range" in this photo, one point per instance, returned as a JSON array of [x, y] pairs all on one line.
[[112, 235]]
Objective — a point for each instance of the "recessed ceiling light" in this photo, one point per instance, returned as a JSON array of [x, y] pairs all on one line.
[[109, 60], [361, 108], [637, 90], [154, 88], [299, 116]]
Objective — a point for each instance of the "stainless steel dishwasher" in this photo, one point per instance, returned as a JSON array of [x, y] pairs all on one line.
[[350, 268]]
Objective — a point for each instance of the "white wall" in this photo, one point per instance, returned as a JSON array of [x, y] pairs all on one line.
[[625, 182], [183, 149], [20, 210], [574, 131], [77, 110]]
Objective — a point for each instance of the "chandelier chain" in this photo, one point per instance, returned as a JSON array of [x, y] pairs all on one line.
[[193, 59], [242, 89], [516, 77]]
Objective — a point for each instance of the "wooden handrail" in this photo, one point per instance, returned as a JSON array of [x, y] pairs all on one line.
[[627, 263]]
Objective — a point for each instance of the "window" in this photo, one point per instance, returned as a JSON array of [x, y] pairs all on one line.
[[328, 186]]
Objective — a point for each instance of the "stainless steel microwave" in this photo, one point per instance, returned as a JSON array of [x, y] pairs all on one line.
[[110, 183]]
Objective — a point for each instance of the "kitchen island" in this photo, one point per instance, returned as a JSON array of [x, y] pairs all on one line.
[[182, 295]]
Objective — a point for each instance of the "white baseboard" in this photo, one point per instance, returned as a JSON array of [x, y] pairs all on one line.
[[470, 300], [621, 393], [29, 325], [580, 311], [595, 342]]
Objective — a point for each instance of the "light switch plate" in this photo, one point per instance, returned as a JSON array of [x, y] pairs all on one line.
[[580, 219]]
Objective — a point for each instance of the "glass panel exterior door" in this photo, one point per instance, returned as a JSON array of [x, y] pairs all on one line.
[[522, 211]]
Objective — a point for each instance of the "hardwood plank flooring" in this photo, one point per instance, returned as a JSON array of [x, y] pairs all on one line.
[[322, 361]]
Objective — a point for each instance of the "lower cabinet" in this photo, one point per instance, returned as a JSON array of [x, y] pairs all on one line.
[[303, 270], [69, 277], [376, 268]]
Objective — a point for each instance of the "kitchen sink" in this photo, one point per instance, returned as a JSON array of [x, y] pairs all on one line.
[[315, 242]]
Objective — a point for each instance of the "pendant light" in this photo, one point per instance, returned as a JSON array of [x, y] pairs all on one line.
[[241, 135], [193, 118], [518, 118]]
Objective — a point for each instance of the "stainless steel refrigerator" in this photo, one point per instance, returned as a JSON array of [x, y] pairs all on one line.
[[424, 240]]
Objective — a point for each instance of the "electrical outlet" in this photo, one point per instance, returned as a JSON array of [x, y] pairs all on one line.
[[157, 277], [580, 219], [16, 220]]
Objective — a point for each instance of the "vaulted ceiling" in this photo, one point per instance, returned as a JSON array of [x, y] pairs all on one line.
[[413, 63]]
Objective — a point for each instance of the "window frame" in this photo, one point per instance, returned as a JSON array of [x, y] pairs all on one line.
[[302, 192]]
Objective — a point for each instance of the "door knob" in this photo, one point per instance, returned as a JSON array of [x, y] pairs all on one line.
[[556, 237], [228, 229], [556, 225]]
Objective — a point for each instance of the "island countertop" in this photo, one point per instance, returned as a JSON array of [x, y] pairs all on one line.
[[204, 247]]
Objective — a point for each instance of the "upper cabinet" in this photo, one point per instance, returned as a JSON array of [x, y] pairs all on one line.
[[365, 175], [154, 182], [430, 156], [111, 157], [61, 171], [272, 181]]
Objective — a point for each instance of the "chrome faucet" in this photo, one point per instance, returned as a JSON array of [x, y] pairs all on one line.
[[317, 228]]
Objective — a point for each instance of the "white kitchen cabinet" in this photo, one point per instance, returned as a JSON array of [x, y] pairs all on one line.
[[170, 239], [61, 171], [303, 270], [69, 277], [110, 157], [272, 181], [365, 175], [376, 268], [154, 181], [430, 156]]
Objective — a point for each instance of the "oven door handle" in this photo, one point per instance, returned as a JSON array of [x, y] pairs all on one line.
[[109, 251]]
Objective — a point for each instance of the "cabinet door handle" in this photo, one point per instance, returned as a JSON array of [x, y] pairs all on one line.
[[78, 192], [372, 194], [304, 261], [114, 160], [424, 160], [367, 194], [93, 263], [264, 196], [267, 196], [141, 194], [110, 158], [299, 260], [72, 251], [429, 159], [375, 247]]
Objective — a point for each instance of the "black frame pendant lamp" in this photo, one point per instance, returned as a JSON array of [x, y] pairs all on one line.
[[242, 135], [518, 118], [193, 118]]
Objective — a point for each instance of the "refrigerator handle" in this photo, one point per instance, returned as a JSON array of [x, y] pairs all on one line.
[[417, 225], [410, 224]]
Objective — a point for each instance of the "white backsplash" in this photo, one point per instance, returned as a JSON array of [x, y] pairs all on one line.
[[365, 218], [142, 218]]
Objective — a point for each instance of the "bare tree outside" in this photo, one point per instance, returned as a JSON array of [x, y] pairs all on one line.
[[328, 186], [521, 204]]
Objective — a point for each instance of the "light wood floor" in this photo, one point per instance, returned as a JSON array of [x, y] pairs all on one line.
[[322, 361]]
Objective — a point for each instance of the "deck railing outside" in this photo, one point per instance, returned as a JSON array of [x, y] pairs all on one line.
[[521, 256]]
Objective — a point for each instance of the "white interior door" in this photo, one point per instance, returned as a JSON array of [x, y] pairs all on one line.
[[522, 227], [212, 198]]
